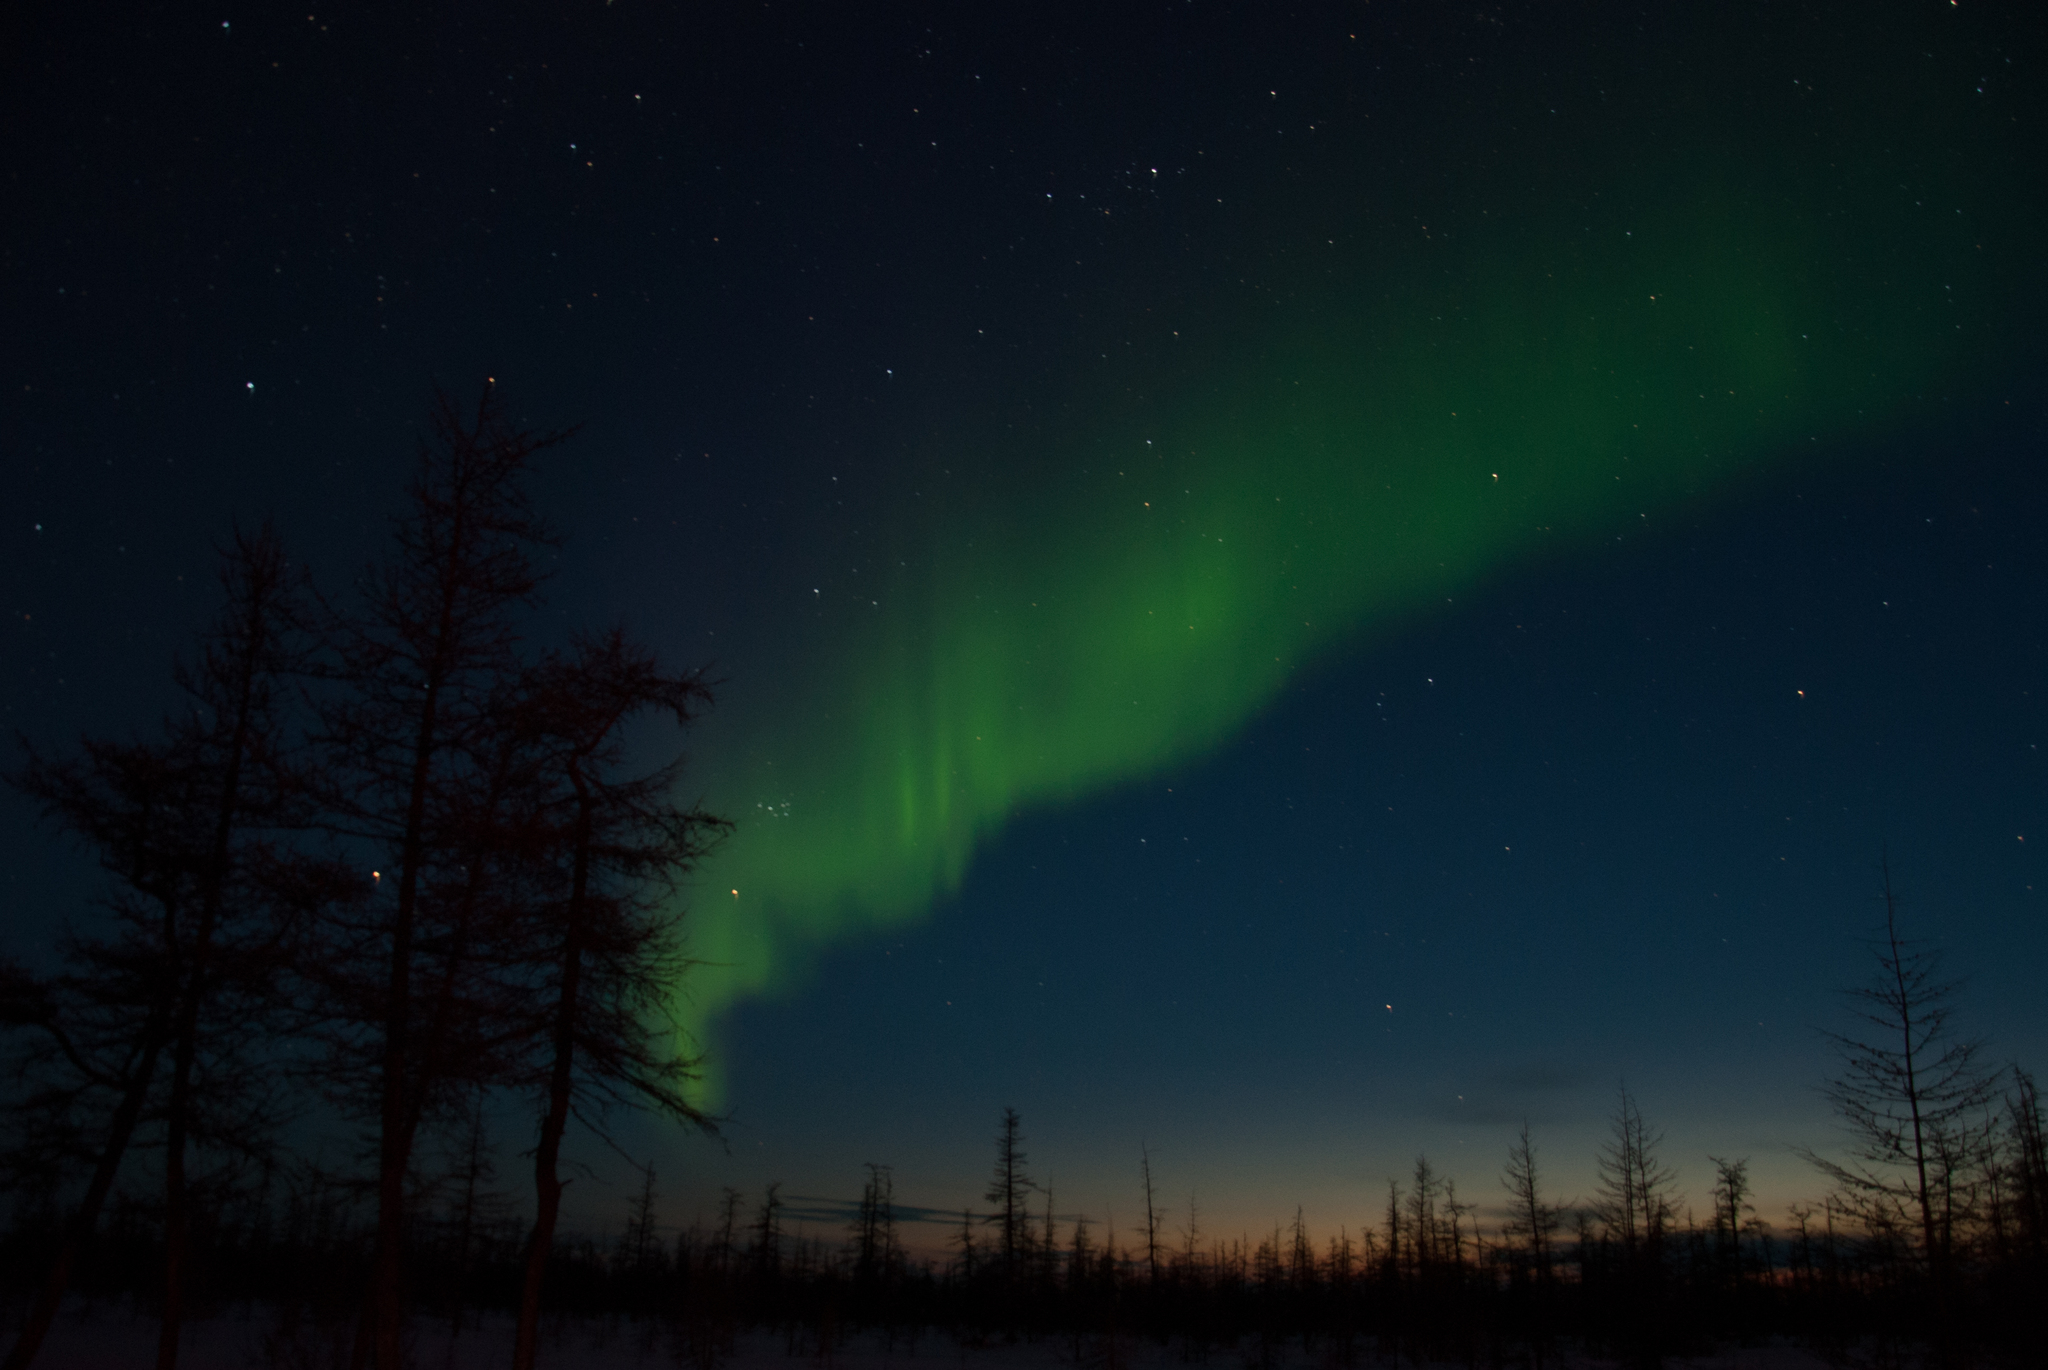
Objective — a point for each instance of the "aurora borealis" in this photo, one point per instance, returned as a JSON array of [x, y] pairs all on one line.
[[1287, 588], [1559, 360]]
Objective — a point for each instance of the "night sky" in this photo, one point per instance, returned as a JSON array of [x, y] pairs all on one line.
[[1292, 586]]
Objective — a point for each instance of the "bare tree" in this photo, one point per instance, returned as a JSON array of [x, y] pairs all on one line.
[[100, 1026], [1531, 1219], [1424, 1234], [410, 740], [1080, 1255], [1191, 1234], [1636, 1201], [766, 1251], [964, 1239], [1153, 1217], [2029, 1168], [1008, 1187], [244, 930], [1047, 1248], [1731, 1201], [1342, 1259], [1909, 1091], [1393, 1222], [202, 915], [875, 1249], [1301, 1254], [1636, 1198], [478, 1202], [642, 1237], [607, 943], [726, 1244]]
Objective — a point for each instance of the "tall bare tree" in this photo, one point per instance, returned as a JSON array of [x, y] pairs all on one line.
[[1395, 1249], [248, 894], [1153, 1217], [1425, 1234], [97, 1029], [964, 1239], [412, 737], [1731, 1201], [641, 1240], [1008, 1189], [1910, 1091], [1636, 1198], [2029, 1169], [875, 1248], [1531, 1219], [201, 926], [606, 935]]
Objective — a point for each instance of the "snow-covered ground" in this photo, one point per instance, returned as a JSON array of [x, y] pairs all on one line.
[[107, 1340]]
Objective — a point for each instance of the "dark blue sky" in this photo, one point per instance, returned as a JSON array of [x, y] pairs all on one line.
[[1581, 829], [1577, 825]]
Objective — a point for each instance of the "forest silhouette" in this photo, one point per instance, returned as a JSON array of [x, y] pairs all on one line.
[[394, 865]]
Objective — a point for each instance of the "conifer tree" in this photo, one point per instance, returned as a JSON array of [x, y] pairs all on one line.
[[201, 924], [1008, 1189], [875, 1249], [1731, 1202], [415, 766], [1636, 1200], [641, 1239], [2029, 1171], [1531, 1219], [1909, 1094], [1153, 1217], [612, 846]]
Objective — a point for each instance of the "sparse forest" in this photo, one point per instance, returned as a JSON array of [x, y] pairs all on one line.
[[389, 857], [391, 864], [1632, 1275]]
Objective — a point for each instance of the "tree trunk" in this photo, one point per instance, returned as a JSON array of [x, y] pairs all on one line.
[[186, 1038], [547, 1184], [171, 1320], [383, 1344]]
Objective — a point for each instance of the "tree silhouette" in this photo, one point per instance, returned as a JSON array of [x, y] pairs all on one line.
[[1531, 1219], [1910, 1095], [1428, 1241], [1636, 1201], [2029, 1171], [1904, 1088], [1191, 1235], [606, 944], [202, 918], [641, 1239], [100, 1025], [876, 1251], [475, 1174], [1153, 1218], [1008, 1188], [1635, 1198], [964, 1239], [413, 749], [453, 887], [765, 1252], [1731, 1202]]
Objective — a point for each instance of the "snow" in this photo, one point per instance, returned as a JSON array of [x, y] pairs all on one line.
[[104, 1339]]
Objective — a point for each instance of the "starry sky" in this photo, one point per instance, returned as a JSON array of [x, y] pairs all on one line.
[[1292, 585]]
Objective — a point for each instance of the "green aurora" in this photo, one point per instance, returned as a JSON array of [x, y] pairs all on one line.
[[1399, 406]]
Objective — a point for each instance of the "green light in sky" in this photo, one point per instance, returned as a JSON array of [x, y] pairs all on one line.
[[1150, 579]]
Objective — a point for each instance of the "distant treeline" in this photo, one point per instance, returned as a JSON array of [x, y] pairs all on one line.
[[386, 872], [1626, 1274]]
